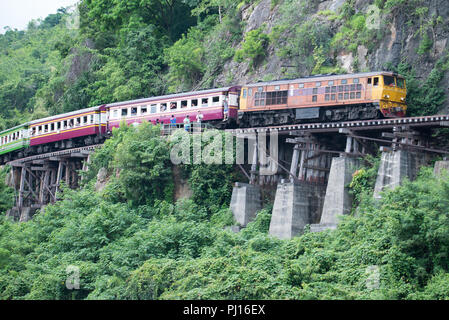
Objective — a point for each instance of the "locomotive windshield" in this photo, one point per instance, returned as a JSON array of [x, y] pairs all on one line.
[[400, 82], [389, 81]]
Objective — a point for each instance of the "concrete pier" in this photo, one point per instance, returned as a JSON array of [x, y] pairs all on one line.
[[440, 166], [338, 200], [296, 205], [245, 202], [394, 167]]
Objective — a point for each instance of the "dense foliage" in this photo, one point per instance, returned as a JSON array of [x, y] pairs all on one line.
[[151, 247], [131, 239]]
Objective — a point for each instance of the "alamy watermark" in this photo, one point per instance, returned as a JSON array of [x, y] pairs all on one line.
[[373, 277], [214, 147], [73, 278]]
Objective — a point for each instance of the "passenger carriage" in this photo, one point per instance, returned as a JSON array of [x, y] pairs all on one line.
[[13, 140], [160, 109], [85, 126]]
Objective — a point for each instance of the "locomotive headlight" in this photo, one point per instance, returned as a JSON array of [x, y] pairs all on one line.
[[402, 98], [387, 96]]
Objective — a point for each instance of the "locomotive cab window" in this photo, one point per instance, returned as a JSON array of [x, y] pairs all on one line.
[[244, 93], [389, 81], [370, 80], [401, 83], [376, 81]]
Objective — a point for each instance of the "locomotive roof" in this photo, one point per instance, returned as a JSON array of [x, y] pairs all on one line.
[[320, 77], [63, 115], [169, 96]]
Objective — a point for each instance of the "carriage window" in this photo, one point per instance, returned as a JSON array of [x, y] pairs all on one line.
[[195, 101], [46, 128], [173, 105], [332, 96], [347, 95], [344, 81], [124, 112], [352, 95], [65, 124], [184, 104], [115, 114], [215, 99], [301, 85], [330, 83], [52, 127], [346, 88], [353, 86], [58, 125], [277, 88], [78, 121], [340, 96], [259, 89], [250, 92], [91, 118], [359, 86], [376, 81], [341, 88], [356, 80], [133, 111], [315, 90], [326, 97], [143, 110], [244, 95], [204, 102], [328, 89], [334, 89], [163, 107], [314, 98], [318, 84], [153, 108], [85, 119], [358, 95]]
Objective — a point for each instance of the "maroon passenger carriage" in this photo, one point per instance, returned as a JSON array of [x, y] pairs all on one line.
[[211, 103], [68, 130]]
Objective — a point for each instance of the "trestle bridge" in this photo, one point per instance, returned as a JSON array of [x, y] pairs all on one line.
[[309, 174]]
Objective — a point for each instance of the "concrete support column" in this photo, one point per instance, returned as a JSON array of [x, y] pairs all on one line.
[[245, 202], [295, 206], [440, 166], [394, 167], [338, 200]]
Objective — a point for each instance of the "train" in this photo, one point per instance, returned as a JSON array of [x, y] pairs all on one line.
[[320, 98]]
